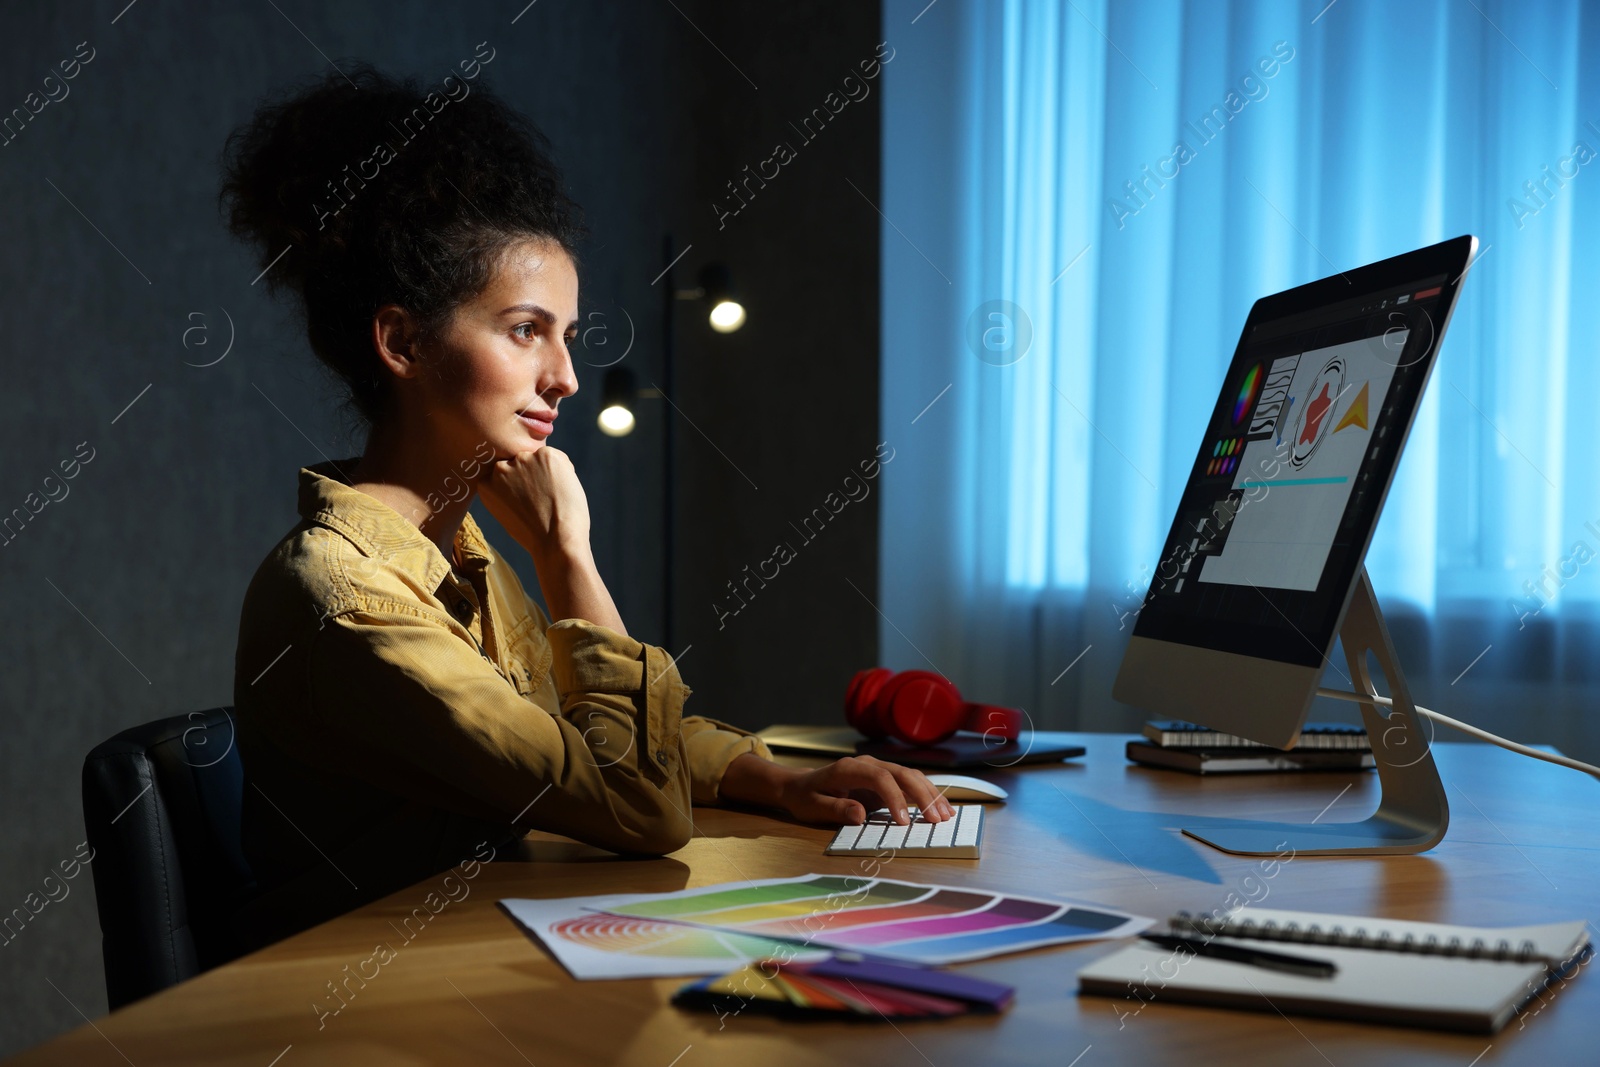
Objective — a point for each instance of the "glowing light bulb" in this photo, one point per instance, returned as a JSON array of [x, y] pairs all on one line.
[[727, 316], [616, 421]]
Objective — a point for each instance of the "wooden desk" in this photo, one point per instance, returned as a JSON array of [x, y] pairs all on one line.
[[471, 988]]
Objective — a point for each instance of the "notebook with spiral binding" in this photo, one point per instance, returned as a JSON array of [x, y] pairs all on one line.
[[1389, 971]]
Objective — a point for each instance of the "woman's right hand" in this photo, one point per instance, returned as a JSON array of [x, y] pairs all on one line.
[[537, 497], [840, 792]]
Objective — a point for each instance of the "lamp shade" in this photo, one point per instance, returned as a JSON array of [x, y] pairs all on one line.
[[617, 392], [727, 313]]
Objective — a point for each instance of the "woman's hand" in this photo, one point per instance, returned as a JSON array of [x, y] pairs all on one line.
[[837, 793], [537, 497]]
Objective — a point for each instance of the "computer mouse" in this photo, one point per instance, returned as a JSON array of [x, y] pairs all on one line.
[[958, 787]]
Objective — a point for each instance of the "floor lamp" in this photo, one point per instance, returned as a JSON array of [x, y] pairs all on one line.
[[619, 390]]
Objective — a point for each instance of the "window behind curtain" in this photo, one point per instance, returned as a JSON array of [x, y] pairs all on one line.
[[1082, 200]]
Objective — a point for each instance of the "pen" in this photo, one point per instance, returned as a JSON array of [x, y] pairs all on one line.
[[1275, 961]]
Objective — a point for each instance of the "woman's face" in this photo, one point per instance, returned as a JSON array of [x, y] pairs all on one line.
[[505, 365]]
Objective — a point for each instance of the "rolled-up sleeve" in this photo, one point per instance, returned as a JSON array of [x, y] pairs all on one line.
[[421, 713], [709, 744], [712, 745]]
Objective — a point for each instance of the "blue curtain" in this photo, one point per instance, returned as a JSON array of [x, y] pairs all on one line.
[[1080, 202]]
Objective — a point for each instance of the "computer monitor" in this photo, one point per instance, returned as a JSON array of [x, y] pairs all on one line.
[[1264, 557]]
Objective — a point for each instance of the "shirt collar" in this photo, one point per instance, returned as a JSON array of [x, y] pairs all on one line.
[[328, 498]]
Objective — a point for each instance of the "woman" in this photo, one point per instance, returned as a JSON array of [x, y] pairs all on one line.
[[401, 700]]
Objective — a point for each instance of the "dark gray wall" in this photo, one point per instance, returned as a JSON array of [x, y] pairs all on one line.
[[122, 598], [788, 404]]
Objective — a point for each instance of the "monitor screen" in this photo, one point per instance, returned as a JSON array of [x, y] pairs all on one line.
[[1298, 454]]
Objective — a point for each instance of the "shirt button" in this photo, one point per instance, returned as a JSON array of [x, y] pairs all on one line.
[[464, 609], [661, 758]]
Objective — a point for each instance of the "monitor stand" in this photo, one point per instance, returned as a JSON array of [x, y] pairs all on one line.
[[1413, 812]]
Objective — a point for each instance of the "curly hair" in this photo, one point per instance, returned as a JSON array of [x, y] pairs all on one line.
[[383, 193]]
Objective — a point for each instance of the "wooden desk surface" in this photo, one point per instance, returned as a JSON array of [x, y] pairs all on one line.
[[471, 988]]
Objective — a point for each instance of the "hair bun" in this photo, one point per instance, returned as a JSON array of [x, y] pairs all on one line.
[[279, 165]]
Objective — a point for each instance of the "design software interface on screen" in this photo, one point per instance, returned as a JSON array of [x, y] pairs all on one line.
[[1293, 467]]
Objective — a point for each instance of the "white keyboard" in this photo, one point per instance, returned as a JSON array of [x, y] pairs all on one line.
[[955, 839]]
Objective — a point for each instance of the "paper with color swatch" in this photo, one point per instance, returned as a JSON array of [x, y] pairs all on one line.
[[712, 929], [593, 944]]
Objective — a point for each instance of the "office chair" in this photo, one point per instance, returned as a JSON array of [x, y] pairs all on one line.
[[161, 804]]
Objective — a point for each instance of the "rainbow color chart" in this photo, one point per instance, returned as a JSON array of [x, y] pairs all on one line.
[[699, 931], [909, 920], [594, 944]]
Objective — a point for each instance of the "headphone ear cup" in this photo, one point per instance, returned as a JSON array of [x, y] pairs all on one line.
[[994, 721], [877, 707], [920, 707], [859, 700]]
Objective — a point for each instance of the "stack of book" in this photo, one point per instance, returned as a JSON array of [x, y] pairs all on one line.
[[845, 986], [1184, 746]]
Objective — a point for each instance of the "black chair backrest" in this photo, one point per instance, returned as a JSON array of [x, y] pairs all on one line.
[[161, 804]]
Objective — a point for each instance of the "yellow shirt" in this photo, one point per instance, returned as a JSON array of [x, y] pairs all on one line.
[[393, 716]]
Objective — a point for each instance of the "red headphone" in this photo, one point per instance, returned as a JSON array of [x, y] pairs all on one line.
[[920, 708]]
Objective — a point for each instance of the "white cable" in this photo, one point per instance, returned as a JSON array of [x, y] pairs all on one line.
[[1466, 728]]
